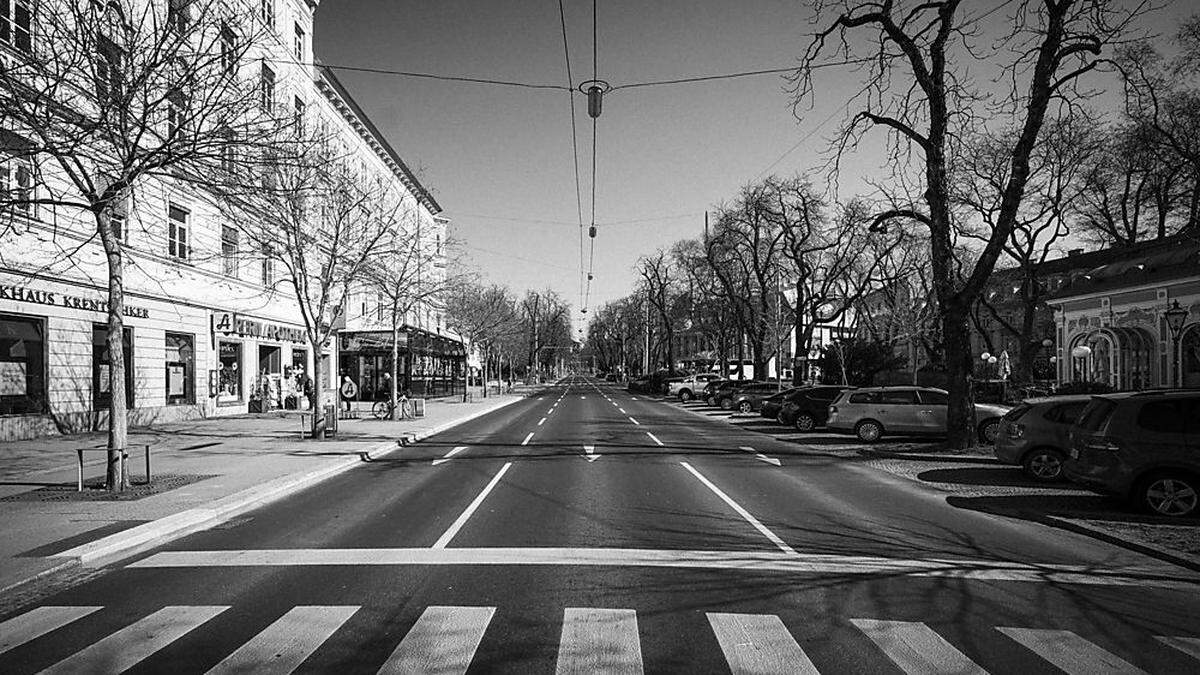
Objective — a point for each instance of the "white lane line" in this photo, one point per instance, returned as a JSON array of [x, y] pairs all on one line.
[[759, 644], [462, 519], [916, 649], [1157, 576], [741, 512], [446, 457], [622, 410], [590, 451], [1187, 645], [541, 421], [443, 640], [127, 647], [1069, 652], [286, 643], [526, 441], [761, 457], [37, 622], [635, 421], [654, 438], [599, 641], [633, 398]]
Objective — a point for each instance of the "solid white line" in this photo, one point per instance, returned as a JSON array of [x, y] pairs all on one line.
[[1069, 652], [446, 458], [462, 519], [757, 644], [541, 421], [443, 640], [286, 643], [127, 647], [806, 563], [741, 512], [654, 438], [916, 649], [526, 441], [635, 421], [36, 623], [1187, 645], [599, 641]]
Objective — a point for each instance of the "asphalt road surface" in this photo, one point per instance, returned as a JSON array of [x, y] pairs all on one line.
[[588, 530]]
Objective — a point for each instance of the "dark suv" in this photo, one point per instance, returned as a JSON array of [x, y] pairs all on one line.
[[1142, 446], [808, 408]]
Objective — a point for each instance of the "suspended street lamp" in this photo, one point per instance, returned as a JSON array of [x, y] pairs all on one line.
[[595, 90]]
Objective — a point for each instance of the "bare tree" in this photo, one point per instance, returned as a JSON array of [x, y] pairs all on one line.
[[484, 316], [1131, 187], [659, 284], [110, 97], [919, 87]]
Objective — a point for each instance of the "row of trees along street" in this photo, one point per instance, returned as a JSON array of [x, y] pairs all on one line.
[[999, 143], [116, 97]]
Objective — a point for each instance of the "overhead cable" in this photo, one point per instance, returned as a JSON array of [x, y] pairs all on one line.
[[562, 17]]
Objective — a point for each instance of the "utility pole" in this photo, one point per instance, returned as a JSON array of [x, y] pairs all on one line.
[[646, 351]]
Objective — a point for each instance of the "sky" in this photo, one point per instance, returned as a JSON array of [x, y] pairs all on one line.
[[499, 159]]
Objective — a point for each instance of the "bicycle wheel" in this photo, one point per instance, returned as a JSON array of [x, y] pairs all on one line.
[[380, 410]]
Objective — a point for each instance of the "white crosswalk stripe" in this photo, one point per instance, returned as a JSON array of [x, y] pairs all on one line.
[[36, 623], [130, 645], [283, 646], [1069, 652], [759, 644], [442, 641], [916, 648], [1187, 645], [599, 641]]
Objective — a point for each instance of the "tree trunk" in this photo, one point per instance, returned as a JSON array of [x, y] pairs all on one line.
[[118, 420], [960, 412], [395, 365], [319, 424]]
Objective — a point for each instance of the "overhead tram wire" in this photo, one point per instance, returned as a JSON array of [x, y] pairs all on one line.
[[562, 17], [592, 232]]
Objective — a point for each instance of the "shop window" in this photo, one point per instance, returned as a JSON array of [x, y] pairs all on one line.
[[177, 233], [102, 367], [229, 372], [181, 369], [22, 365], [16, 23]]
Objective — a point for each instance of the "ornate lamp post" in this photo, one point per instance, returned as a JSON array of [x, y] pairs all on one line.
[[1176, 316]]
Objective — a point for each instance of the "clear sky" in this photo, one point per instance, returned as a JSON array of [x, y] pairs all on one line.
[[499, 159]]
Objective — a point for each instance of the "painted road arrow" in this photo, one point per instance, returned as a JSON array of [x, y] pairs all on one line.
[[762, 457], [446, 458], [591, 453]]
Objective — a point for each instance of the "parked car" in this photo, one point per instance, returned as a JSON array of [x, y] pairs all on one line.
[[686, 388], [722, 396], [1036, 434], [873, 412], [709, 393], [748, 399], [808, 408], [772, 404], [639, 385], [1142, 446]]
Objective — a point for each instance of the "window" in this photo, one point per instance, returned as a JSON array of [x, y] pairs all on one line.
[[22, 365], [102, 367], [16, 183], [108, 71], [229, 250], [178, 15], [118, 216], [931, 397], [176, 111], [298, 116], [865, 397], [181, 369], [1096, 414], [177, 233], [1066, 413], [228, 49], [898, 397], [1164, 417], [229, 372], [228, 151], [16, 20], [268, 267], [298, 47], [267, 13], [269, 167], [267, 88]]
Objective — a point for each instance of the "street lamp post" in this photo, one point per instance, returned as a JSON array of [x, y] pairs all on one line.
[[1176, 316]]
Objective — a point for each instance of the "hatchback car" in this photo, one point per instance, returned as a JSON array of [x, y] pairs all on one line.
[[715, 390], [723, 395], [772, 404], [1141, 446], [874, 412], [749, 398], [808, 408], [1035, 435]]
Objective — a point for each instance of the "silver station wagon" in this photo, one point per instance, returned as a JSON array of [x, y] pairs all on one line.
[[874, 412]]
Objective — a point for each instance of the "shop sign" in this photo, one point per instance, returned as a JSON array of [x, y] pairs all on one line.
[[22, 294], [229, 323]]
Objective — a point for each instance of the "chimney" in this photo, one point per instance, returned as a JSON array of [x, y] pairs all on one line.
[[1074, 252]]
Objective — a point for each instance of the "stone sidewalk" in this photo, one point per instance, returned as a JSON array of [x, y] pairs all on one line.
[[219, 467]]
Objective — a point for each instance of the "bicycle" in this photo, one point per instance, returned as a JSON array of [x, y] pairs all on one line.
[[385, 409]]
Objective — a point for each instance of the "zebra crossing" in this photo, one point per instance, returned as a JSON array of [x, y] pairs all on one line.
[[444, 639]]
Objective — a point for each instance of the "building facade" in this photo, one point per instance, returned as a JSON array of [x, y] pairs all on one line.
[[212, 327]]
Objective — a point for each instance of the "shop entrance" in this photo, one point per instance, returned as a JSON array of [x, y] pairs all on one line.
[[270, 375]]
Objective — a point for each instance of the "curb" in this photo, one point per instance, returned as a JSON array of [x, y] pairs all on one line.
[[130, 542], [1185, 560], [929, 457]]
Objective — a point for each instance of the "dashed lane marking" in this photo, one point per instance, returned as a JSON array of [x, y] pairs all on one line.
[[446, 457], [654, 438], [761, 457], [526, 441], [635, 421], [541, 421]]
